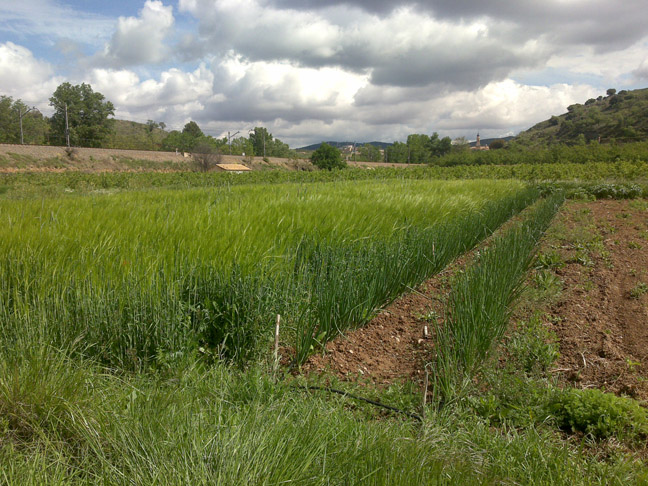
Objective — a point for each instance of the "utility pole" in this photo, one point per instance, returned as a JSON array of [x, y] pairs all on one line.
[[20, 115], [67, 128], [229, 140]]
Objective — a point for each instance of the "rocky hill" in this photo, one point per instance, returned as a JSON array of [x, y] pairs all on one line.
[[621, 116]]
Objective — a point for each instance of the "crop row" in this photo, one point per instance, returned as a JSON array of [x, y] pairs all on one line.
[[480, 301]]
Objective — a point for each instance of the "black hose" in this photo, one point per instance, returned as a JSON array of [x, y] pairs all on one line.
[[350, 395]]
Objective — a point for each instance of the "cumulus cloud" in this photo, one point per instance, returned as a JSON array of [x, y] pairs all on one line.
[[607, 25], [140, 40], [174, 97], [403, 48], [23, 76]]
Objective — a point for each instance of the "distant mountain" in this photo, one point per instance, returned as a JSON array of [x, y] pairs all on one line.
[[315, 146], [621, 116], [488, 141]]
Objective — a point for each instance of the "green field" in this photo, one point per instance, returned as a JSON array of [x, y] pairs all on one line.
[[135, 275], [136, 328]]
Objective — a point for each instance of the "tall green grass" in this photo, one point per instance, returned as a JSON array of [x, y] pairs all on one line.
[[134, 277], [67, 422], [479, 303]]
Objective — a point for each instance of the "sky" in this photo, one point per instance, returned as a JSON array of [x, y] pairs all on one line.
[[314, 70]]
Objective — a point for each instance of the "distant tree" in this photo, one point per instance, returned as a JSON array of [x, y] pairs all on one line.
[[590, 101], [611, 92], [180, 141], [370, 153], [34, 125], [242, 146], [327, 157], [396, 153], [205, 156], [88, 115], [418, 146], [439, 146], [497, 144], [151, 127], [193, 130], [261, 141]]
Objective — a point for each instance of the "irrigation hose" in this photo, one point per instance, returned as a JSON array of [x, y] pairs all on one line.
[[356, 397]]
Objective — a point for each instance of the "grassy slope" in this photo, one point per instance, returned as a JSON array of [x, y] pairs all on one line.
[[621, 117], [134, 136]]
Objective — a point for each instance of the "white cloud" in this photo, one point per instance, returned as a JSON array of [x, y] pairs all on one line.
[[23, 76], [174, 98], [140, 40], [404, 48]]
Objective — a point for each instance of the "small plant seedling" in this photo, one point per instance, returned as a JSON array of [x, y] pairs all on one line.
[[633, 245], [551, 259], [638, 290], [632, 364]]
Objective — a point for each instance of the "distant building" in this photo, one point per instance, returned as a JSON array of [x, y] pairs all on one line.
[[237, 168], [478, 145]]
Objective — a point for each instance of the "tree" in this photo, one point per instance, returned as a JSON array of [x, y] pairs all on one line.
[[88, 115], [439, 146], [180, 141], [370, 152], [396, 153], [497, 144], [34, 125], [242, 146], [327, 157], [192, 129], [261, 141], [151, 127], [611, 92], [419, 148], [205, 156]]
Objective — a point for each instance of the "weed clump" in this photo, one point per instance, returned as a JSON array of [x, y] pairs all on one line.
[[599, 414]]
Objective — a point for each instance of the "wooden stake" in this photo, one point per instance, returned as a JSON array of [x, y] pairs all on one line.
[[276, 342], [425, 390]]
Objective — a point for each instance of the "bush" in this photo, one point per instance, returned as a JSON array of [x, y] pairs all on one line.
[[327, 157], [205, 157], [599, 414]]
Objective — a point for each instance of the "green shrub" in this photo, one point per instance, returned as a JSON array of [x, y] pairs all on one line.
[[599, 414]]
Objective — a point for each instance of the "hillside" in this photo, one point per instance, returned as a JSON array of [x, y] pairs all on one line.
[[621, 116], [135, 136]]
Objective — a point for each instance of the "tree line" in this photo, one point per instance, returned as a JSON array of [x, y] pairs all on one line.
[[83, 118]]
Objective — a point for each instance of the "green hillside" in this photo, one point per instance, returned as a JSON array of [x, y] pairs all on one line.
[[621, 116], [135, 136]]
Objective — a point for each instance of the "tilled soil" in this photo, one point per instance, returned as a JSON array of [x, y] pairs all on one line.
[[600, 319]]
